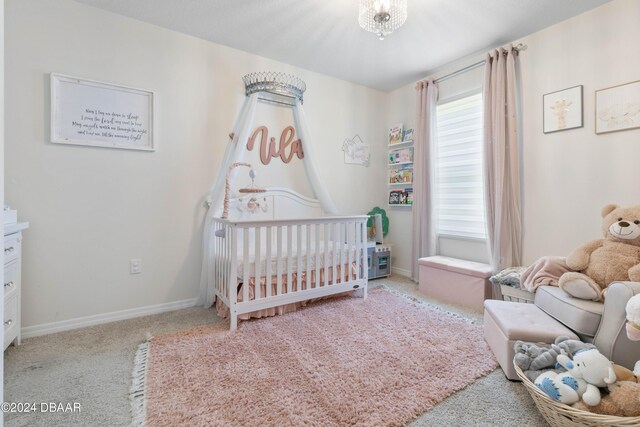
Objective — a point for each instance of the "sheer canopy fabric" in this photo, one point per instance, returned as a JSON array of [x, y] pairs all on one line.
[[424, 239], [310, 160], [502, 160], [236, 149]]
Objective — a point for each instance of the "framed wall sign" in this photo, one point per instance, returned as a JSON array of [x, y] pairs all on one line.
[[562, 110], [356, 151], [88, 112], [618, 108]]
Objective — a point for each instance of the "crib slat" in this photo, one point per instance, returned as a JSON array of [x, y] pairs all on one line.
[[219, 255], [299, 258], [225, 258], [258, 257], [350, 227], [216, 257], [289, 256], [334, 254], [223, 254], [308, 257], [365, 270], [343, 239], [279, 260], [358, 236], [245, 259], [227, 262], [233, 270], [326, 255], [268, 262], [317, 281]]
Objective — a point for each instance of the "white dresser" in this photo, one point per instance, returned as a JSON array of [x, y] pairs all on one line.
[[12, 279]]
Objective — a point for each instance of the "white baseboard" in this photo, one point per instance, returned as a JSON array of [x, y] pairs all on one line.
[[83, 322], [401, 272]]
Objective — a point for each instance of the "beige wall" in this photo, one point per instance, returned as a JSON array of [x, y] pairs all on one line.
[[93, 209], [569, 175]]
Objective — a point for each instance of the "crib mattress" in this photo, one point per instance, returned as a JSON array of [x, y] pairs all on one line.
[[338, 253]]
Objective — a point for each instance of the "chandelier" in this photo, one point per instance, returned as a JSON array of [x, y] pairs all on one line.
[[382, 17]]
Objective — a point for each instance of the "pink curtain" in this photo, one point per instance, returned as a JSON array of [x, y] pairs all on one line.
[[501, 160], [424, 241]]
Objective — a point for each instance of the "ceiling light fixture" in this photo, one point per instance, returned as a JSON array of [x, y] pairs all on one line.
[[382, 17]]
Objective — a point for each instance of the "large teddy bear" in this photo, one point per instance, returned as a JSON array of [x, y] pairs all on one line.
[[600, 262]]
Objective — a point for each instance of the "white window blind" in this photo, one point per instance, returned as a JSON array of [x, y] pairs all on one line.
[[458, 168]]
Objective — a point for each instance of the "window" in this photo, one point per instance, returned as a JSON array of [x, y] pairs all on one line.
[[458, 168]]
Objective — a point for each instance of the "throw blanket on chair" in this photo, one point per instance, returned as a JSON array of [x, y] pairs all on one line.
[[545, 271]]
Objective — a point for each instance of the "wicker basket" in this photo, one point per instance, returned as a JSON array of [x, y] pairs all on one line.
[[560, 415], [509, 293]]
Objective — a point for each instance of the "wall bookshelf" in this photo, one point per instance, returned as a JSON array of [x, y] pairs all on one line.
[[400, 167]]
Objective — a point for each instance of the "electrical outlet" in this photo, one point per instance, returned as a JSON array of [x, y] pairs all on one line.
[[135, 266]]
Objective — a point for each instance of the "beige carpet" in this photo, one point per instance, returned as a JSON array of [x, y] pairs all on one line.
[[348, 361]]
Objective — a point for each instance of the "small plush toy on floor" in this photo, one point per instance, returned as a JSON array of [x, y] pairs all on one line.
[[599, 263]]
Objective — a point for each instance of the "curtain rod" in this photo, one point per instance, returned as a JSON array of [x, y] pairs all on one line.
[[519, 47]]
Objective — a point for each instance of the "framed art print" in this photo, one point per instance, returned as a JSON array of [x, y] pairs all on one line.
[[618, 108], [562, 110], [98, 114]]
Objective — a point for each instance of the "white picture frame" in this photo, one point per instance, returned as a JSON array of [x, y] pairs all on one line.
[[617, 108], [99, 114], [562, 110]]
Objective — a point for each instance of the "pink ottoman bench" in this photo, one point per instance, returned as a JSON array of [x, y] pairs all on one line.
[[507, 322], [454, 280]]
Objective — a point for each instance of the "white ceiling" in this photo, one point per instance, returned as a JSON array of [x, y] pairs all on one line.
[[324, 36]]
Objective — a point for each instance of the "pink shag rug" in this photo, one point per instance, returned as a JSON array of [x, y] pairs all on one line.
[[343, 361]]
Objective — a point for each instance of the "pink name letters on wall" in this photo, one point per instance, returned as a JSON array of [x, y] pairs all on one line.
[[268, 145]]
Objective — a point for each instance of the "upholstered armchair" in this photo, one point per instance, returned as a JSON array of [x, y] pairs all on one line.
[[597, 322]]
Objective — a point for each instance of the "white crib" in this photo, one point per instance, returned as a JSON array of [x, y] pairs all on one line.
[[260, 262]]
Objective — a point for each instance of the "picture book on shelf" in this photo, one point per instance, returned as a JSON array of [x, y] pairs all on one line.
[[395, 134], [408, 196], [401, 155], [407, 136], [395, 196], [401, 197], [403, 175]]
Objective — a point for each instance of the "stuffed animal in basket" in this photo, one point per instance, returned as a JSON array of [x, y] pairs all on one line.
[[563, 387], [623, 400], [594, 369], [536, 358], [600, 262], [624, 374]]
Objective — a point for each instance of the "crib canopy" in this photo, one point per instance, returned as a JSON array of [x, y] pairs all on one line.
[[274, 88]]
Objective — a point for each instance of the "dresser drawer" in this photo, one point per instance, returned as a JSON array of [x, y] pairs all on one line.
[[11, 323], [11, 247], [11, 279]]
